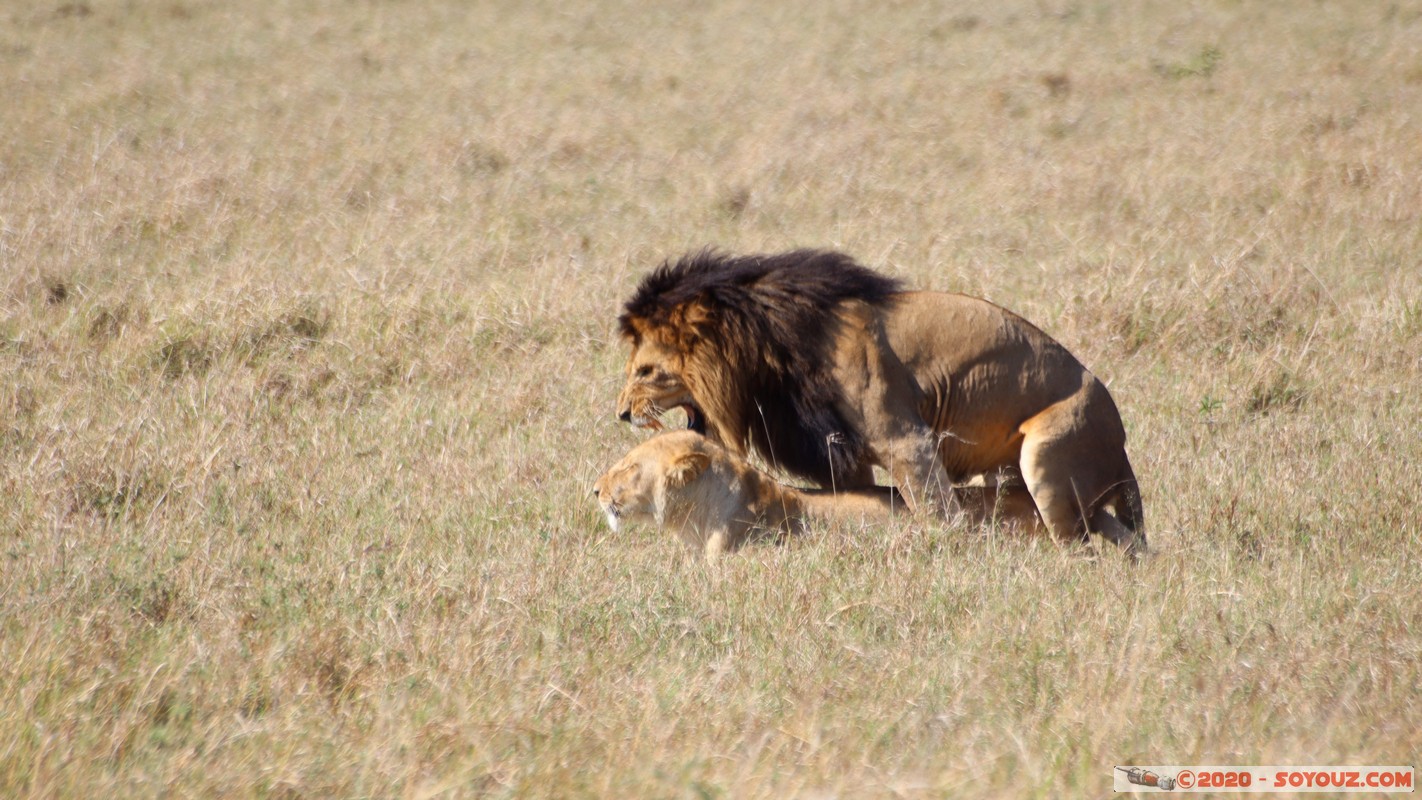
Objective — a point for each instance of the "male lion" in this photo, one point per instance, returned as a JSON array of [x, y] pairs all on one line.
[[828, 369], [714, 499]]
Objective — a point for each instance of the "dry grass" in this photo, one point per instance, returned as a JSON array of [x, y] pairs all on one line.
[[307, 361]]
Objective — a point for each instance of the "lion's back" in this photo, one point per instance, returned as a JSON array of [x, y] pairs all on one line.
[[981, 371]]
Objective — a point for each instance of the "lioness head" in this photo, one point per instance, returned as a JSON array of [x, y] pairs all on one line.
[[639, 487]]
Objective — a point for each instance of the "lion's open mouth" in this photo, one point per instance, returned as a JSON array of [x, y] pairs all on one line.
[[695, 420], [641, 421]]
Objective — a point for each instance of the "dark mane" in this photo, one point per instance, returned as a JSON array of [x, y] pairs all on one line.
[[764, 326]]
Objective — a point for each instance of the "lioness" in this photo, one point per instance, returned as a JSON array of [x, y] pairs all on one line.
[[714, 500], [829, 369]]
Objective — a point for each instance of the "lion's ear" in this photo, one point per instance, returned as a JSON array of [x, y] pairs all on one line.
[[686, 469], [689, 321], [696, 314], [631, 328]]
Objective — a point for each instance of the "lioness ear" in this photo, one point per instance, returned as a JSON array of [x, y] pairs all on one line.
[[686, 469]]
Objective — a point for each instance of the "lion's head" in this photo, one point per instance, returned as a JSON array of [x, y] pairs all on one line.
[[742, 345], [655, 386]]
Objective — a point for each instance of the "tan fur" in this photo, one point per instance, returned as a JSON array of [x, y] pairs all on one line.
[[942, 387], [715, 500]]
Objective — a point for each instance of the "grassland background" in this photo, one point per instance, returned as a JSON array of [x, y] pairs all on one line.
[[308, 360]]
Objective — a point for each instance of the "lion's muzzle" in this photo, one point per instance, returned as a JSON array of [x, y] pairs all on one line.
[[645, 418]]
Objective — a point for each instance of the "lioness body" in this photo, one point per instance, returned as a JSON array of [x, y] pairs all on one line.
[[933, 387], [714, 499], [685, 483]]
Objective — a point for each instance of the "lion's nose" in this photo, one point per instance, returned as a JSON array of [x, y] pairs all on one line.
[[625, 416]]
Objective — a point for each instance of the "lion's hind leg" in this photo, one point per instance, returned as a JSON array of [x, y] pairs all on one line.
[[1053, 492], [1070, 471]]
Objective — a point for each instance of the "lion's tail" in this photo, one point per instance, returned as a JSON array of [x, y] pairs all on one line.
[[1129, 509], [1127, 526]]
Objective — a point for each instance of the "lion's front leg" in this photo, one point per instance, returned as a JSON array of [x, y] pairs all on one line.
[[883, 400], [723, 539], [912, 460]]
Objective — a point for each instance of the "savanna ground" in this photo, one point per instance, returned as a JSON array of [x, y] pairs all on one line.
[[308, 361]]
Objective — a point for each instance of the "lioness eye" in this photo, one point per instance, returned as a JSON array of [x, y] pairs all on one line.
[[644, 371]]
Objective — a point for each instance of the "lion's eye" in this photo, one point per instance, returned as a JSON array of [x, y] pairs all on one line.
[[644, 371]]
